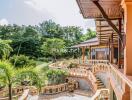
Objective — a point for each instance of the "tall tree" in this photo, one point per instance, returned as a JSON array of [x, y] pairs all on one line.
[[50, 29], [72, 34], [53, 47], [27, 41], [89, 35]]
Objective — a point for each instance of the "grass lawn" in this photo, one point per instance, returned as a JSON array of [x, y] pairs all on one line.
[[41, 64]]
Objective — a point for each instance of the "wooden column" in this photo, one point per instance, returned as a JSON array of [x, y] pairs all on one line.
[[109, 49], [83, 55], [90, 52], [112, 48], [119, 42]]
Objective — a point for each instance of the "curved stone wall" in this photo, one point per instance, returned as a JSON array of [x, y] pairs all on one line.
[[57, 88]]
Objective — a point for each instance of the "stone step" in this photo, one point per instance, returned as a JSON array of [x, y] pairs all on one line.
[[99, 82], [101, 86]]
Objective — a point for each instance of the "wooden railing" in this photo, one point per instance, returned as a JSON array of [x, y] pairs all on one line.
[[54, 89], [102, 94], [100, 67], [83, 73], [17, 91], [77, 72], [92, 61], [7, 98], [118, 78], [24, 95]]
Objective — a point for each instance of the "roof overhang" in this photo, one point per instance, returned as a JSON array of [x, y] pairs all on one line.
[[107, 14], [88, 43], [104, 31], [90, 10]]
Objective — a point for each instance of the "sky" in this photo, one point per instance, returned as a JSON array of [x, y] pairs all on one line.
[[33, 12]]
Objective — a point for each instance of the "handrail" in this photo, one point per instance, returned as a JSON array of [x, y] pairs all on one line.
[[99, 93], [6, 98], [100, 67], [87, 74], [125, 78], [90, 61], [24, 95]]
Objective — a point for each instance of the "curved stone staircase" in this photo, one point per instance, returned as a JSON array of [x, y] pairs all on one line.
[[100, 84]]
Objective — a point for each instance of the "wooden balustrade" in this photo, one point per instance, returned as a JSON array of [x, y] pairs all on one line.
[[16, 91], [77, 72], [93, 62], [7, 98], [118, 78], [102, 94], [47, 90], [100, 67], [83, 73]]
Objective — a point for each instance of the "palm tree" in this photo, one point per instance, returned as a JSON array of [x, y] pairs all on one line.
[[9, 75]]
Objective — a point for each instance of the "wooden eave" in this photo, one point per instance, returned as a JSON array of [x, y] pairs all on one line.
[[89, 10], [104, 31]]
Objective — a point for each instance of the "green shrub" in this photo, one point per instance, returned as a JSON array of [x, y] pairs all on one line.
[[21, 61], [56, 76], [44, 59], [72, 65]]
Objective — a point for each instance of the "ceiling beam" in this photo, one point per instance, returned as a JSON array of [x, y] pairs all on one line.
[[107, 18]]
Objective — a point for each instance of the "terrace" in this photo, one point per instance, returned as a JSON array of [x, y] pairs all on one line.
[[103, 70], [112, 27]]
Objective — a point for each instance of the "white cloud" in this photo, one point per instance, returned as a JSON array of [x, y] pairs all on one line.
[[32, 12], [3, 21], [65, 12]]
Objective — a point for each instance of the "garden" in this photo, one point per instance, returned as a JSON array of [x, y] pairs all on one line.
[[27, 51]]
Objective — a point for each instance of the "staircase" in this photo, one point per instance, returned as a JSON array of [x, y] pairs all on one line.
[[100, 84]]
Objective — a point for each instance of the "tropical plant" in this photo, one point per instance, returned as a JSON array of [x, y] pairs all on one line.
[[21, 61], [5, 49], [9, 75]]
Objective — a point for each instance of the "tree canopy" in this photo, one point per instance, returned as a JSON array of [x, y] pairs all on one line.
[[30, 40]]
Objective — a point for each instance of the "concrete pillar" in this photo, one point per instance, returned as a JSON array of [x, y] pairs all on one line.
[[127, 6], [128, 30]]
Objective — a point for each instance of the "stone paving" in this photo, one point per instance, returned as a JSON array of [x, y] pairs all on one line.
[[77, 95]]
